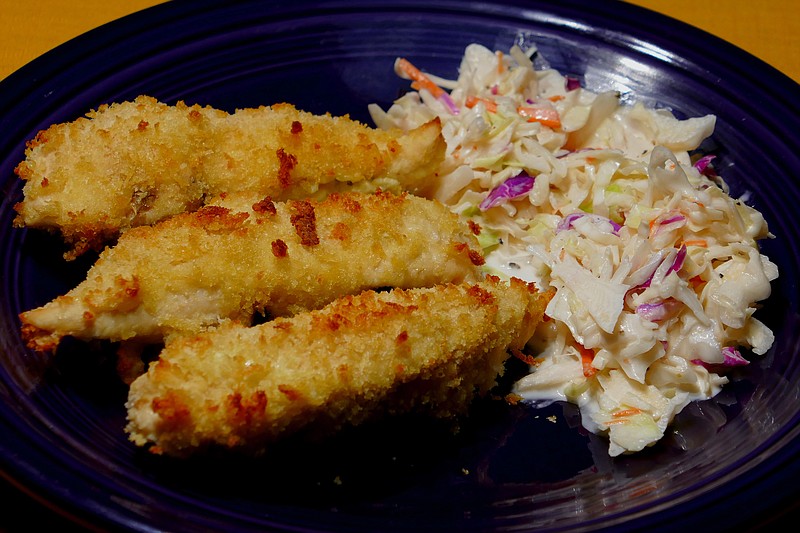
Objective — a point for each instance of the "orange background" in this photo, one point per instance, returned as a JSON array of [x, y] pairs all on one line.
[[770, 29]]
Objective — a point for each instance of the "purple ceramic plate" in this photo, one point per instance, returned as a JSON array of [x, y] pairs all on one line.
[[731, 461]]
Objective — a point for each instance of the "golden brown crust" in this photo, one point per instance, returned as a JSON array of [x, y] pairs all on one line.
[[279, 248], [134, 163], [265, 206], [377, 353], [239, 256], [304, 221]]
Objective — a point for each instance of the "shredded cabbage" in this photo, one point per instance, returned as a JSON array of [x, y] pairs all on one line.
[[656, 269]]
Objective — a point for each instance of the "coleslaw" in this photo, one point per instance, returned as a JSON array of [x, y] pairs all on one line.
[[656, 269]]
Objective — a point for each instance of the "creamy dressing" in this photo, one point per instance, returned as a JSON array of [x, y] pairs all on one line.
[[656, 270]]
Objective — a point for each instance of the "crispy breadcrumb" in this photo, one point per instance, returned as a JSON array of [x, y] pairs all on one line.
[[242, 256], [134, 163], [422, 350]]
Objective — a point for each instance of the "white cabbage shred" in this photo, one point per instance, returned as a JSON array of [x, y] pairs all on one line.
[[656, 270]]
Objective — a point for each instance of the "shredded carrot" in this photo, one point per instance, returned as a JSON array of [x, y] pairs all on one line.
[[652, 225], [472, 101], [544, 115], [556, 97], [500, 67], [429, 86], [696, 281], [626, 412], [512, 399], [525, 358], [587, 356], [420, 80], [620, 417], [696, 242]]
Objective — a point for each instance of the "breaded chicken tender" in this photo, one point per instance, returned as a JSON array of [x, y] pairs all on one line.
[[196, 269], [421, 350], [134, 163]]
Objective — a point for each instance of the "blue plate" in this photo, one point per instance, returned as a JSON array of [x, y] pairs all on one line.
[[731, 461]]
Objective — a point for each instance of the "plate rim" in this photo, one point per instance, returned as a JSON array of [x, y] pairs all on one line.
[[42, 68]]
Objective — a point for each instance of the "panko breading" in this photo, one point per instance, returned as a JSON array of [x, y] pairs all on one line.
[[420, 350], [134, 163], [195, 269]]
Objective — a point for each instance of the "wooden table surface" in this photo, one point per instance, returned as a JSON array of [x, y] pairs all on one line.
[[769, 30]]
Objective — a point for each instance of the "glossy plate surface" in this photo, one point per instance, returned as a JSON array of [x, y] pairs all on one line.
[[729, 461]]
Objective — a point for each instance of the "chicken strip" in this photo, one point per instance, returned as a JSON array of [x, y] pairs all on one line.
[[134, 163], [422, 350], [195, 269]]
